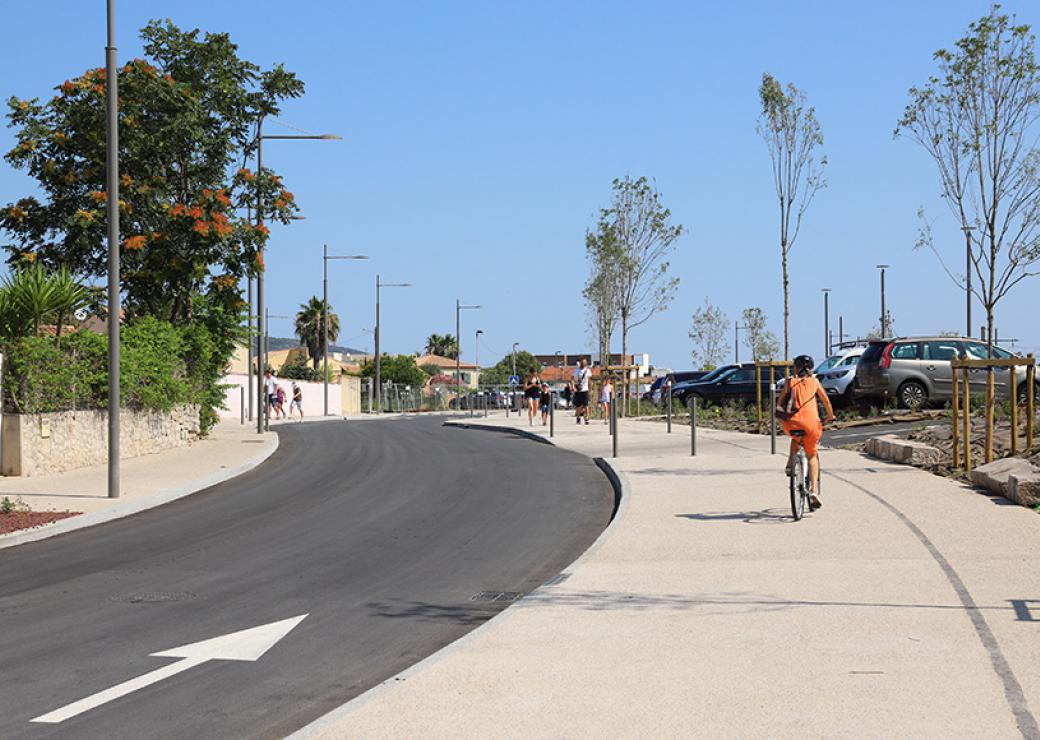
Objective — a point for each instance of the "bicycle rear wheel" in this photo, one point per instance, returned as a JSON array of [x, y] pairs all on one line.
[[797, 485]]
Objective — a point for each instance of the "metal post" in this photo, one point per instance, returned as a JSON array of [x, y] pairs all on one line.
[[693, 426], [379, 400], [668, 389], [613, 422], [552, 414], [261, 412], [884, 313], [736, 343], [485, 401], [841, 330], [112, 162], [458, 355], [827, 322], [370, 393], [772, 412], [325, 323], [956, 413], [242, 402], [250, 344]]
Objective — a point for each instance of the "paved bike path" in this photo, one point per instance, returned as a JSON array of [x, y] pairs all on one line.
[[908, 606]]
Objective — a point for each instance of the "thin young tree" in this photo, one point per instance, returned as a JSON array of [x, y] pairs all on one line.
[[760, 341], [977, 120], [709, 330], [792, 134], [601, 290], [635, 236]]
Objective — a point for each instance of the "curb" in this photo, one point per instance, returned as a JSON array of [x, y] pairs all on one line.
[[622, 495], [128, 508]]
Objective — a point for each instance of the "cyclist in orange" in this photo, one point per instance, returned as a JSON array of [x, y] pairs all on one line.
[[798, 400]]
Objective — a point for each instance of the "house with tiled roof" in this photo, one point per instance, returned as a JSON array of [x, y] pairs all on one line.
[[470, 373]]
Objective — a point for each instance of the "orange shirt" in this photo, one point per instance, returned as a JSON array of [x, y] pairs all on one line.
[[804, 391]]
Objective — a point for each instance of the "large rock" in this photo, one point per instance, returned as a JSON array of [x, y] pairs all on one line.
[[905, 451], [1024, 488], [994, 476]]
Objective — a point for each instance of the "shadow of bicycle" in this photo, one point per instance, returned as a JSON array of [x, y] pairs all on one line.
[[765, 516]]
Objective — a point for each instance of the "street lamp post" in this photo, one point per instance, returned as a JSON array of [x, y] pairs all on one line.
[[378, 358], [476, 361], [515, 345], [260, 136], [325, 257], [459, 308], [112, 165], [827, 322], [884, 313], [967, 275], [736, 342]]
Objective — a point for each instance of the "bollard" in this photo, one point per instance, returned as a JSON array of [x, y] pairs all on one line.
[[693, 426], [613, 422], [242, 402], [668, 389], [552, 414], [772, 418], [485, 406]]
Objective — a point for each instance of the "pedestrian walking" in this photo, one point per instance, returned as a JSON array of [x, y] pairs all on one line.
[[297, 399], [544, 402], [604, 398], [582, 378], [532, 393], [568, 393], [279, 401], [269, 389]]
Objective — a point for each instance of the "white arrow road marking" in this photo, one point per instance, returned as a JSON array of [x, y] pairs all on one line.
[[247, 645]]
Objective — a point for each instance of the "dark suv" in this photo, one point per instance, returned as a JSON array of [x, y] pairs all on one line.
[[728, 383], [916, 371]]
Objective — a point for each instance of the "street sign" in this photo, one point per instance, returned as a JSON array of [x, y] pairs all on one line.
[[247, 645], [514, 380]]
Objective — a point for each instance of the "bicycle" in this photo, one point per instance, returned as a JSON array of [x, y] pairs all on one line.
[[798, 480]]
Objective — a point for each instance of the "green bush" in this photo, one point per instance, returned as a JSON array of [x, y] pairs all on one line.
[[300, 371], [153, 369]]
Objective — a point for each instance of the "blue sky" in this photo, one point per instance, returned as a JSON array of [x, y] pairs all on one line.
[[481, 138]]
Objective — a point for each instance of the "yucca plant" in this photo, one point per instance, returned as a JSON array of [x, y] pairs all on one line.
[[32, 296]]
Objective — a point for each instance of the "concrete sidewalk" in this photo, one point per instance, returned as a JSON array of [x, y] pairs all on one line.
[[907, 606], [147, 481]]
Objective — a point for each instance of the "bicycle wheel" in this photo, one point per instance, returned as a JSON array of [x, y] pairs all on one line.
[[797, 484]]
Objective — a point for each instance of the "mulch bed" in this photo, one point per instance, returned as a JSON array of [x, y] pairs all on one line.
[[28, 519]]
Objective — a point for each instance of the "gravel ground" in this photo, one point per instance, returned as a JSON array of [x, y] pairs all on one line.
[[16, 520]]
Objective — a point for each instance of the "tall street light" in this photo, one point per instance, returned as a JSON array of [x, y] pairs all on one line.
[[884, 313], [325, 257], [967, 275], [459, 308], [112, 166], [736, 342], [826, 322], [260, 137], [379, 379]]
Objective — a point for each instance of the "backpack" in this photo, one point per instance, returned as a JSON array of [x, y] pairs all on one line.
[[785, 408]]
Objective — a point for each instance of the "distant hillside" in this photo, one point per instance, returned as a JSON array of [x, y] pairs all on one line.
[[277, 343]]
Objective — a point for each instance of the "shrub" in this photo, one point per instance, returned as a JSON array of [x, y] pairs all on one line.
[[300, 371]]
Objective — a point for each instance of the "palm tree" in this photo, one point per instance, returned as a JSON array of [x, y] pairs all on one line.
[[310, 330], [443, 345]]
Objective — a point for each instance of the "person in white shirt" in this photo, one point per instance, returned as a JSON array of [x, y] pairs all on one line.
[[582, 378], [269, 388], [604, 399]]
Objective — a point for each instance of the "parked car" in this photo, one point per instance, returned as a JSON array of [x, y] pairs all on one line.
[[734, 384], [654, 392], [916, 371], [837, 375], [682, 389]]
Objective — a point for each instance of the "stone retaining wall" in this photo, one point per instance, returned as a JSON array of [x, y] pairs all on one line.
[[38, 444]]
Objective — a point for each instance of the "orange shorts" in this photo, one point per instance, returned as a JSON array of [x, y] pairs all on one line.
[[809, 441]]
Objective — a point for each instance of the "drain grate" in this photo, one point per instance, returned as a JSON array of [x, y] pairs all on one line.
[[154, 597], [493, 596]]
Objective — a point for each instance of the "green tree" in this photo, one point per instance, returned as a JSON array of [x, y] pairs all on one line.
[[188, 114], [601, 289], [632, 241], [709, 330], [310, 328], [759, 339], [442, 345], [977, 120], [498, 374], [399, 369], [789, 127]]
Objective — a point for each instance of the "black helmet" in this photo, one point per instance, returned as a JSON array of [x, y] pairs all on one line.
[[803, 364]]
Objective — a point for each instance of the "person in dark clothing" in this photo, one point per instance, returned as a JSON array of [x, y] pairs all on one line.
[[544, 402]]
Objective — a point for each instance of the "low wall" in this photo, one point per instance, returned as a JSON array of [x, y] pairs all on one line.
[[313, 396], [38, 444]]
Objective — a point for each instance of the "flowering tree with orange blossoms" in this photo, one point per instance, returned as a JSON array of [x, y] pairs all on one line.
[[188, 117]]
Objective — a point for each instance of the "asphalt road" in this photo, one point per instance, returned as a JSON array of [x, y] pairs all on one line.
[[380, 531]]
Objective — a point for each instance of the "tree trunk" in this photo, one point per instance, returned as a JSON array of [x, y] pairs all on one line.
[[624, 354], [783, 253]]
